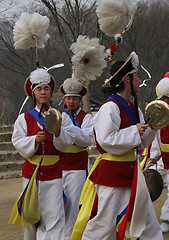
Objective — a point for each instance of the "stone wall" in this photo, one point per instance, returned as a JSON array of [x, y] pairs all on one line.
[[11, 162]]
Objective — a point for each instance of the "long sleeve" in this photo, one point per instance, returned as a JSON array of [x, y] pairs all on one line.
[[148, 136], [24, 144], [84, 135], [67, 134], [113, 139], [155, 151]]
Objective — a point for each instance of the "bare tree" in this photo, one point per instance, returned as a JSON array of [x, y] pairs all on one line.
[[5, 7], [16, 65], [149, 39], [74, 18], [69, 19]]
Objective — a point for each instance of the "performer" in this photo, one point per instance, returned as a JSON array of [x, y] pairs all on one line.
[[32, 141], [118, 134], [159, 150], [74, 159]]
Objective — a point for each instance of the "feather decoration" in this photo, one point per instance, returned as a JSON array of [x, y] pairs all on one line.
[[54, 66], [30, 31], [145, 80], [134, 60], [89, 58], [114, 16]]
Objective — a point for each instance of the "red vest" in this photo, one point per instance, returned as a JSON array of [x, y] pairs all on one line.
[[114, 173], [46, 172], [75, 161], [164, 133]]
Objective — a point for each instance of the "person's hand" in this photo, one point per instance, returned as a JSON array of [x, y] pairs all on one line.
[[142, 127], [40, 137], [153, 160], [57, 133], [146, 104]]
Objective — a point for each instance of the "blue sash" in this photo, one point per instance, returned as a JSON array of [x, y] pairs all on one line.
[[73, 119], [34, 113], [125, 106]]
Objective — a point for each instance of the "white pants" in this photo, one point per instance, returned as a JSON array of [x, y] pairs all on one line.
[[73, 182], [50, 203], [165, 208], [111, 203]]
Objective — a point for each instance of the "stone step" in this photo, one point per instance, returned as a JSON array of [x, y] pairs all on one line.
[[6, 146], [10, 156], [5, 137], [92, 158], [10, 174], [92, 150], [10, 166], [6, 128]]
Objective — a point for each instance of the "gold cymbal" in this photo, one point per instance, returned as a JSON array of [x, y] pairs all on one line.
[[53, 120], [157, 114], [154, 183]]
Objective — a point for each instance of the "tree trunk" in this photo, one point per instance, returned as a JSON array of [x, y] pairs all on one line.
[[86, 98]]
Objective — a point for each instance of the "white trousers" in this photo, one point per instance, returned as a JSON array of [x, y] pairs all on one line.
[[50, 203], [73, 182], [165, 208], [111, 203]]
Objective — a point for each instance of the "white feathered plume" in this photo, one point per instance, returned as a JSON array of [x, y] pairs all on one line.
[[89, 58], [115, 15], [30, 31], [134, 60]]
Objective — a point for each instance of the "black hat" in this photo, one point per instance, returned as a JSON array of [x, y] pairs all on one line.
[[118, 70], [121, 68]]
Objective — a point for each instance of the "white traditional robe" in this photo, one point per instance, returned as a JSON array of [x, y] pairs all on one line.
[[50, 193], [112, 200], [73, 180]]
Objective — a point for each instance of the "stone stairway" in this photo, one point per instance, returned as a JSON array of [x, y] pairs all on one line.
[[93, 154], [11, 162]]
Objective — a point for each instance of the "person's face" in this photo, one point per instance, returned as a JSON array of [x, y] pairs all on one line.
[[136, 82], [165, 99], [72, 103], [42, 95]]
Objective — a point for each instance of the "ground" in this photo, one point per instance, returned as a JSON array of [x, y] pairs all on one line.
[[10, 189]]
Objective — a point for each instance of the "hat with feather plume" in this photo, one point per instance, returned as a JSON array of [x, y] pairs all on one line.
[[72, 88], [122, 68], [37, 78], [115, 18], [30, 32], [88, 60], [162, 88]]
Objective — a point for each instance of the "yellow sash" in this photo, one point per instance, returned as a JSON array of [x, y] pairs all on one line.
[[127, 157], [73, 149], [47, 159], [145, 155], [89, 192], [164, 147]]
